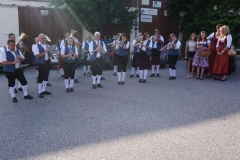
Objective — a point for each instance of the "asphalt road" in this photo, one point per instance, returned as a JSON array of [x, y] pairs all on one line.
[[163, 119]]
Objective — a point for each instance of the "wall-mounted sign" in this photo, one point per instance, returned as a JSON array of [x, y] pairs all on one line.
[[145, 2], [146, 18], [149, 11], [44, 12], [157, 4]]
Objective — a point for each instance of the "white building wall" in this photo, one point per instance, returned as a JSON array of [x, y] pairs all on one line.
[[10, 23]]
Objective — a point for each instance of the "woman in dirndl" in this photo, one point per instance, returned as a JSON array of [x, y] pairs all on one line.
[[201, 61], [221, 63]]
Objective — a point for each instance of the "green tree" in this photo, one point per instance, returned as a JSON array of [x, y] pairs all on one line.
[[205, 15], [95, 14]]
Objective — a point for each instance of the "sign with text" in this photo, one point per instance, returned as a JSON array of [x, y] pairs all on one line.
[[157, 4], [149, 11], [145, 2], [146, 18]]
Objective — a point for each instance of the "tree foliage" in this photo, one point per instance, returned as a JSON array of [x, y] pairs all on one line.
[[95, 14], [205, 15]]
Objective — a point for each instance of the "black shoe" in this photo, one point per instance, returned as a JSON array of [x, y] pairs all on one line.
[[40, 95], [157, 75], [152, 75], [14, 99], [15, 90], [197, 77], [137, 75], [67, 90], [28, 97], [174, 77], [71, 90], [99, 85], [94, 86], [123, 82], [140, 81], [217, 78], [171, 77], [114, 74], [131, 76], [102, 78], [46, 93], [20, 89], [119, 83], [62, 76], [144, 81], [84, 74], [76, 81], [48, 84]]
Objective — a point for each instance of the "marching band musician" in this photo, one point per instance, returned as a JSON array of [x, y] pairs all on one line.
[[86, 56], [63, 42], [135, 61], [60, 60], [173, 47], [69, 53], [122, 58], [96, 48], [77, 45], [115, 63], [157, 45], [11, 61], [144, 57], [41, 51]]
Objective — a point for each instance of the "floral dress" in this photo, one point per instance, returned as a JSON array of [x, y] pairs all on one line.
[[201, 61]]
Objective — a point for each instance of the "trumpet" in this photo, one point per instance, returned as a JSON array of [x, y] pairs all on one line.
[[139, 43], [163, 47]]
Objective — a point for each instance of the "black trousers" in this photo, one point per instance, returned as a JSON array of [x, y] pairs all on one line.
[[172, 60], [17, 74], [86, 62], [135, 61], [115, 61], [122, 63], [97, 66], [69, 70], [43, 71], [144, 60], [155, 57]]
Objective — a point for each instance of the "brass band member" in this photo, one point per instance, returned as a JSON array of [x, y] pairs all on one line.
[[69, 53], [86, 56], [12, 69], [115, 62], [122, 58], [144, 57], [96, 48], [41, 51], [60, 60], [135, 61]]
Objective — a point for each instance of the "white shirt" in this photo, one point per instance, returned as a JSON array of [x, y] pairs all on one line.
[[192, 46], [91, 48], [83, 45], [4, 57], [127, 45], [144, 43], [63, 43], [160, 38], [229, 41], [36, 50], [33, 46], [134, 42], [63, 50]]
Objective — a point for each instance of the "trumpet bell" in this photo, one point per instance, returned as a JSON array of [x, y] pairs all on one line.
[[48, 39], [72, 32]]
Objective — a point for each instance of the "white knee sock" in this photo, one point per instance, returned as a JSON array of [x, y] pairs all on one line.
[[137, 70], [71, 83], [157, 66], [115, 69], [140, 74], [11, 90], [24, 88], [62, 71], [98, 78], [119, 76], [174, 72], [84, 69], [66, 82], [145, 73], [133, 69], [170, 71], [40, 86], [88, 70], [123, 75], [153, 68], [94, 79], [44, 86], [19, 85], [75, 76], [37, 72]]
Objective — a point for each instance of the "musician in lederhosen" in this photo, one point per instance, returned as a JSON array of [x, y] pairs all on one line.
[[122, 58], [69, 53], [135, 60], [96, 48], [41, 51], [60, 60], [115, 62], [12, 68], [86, 56], [64, 41], [144, 57]]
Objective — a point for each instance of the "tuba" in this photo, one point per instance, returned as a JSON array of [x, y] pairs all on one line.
[[48, 39], [21, 37], [72, 36]]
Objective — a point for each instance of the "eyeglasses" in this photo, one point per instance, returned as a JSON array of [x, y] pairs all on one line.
[[11, 44]]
